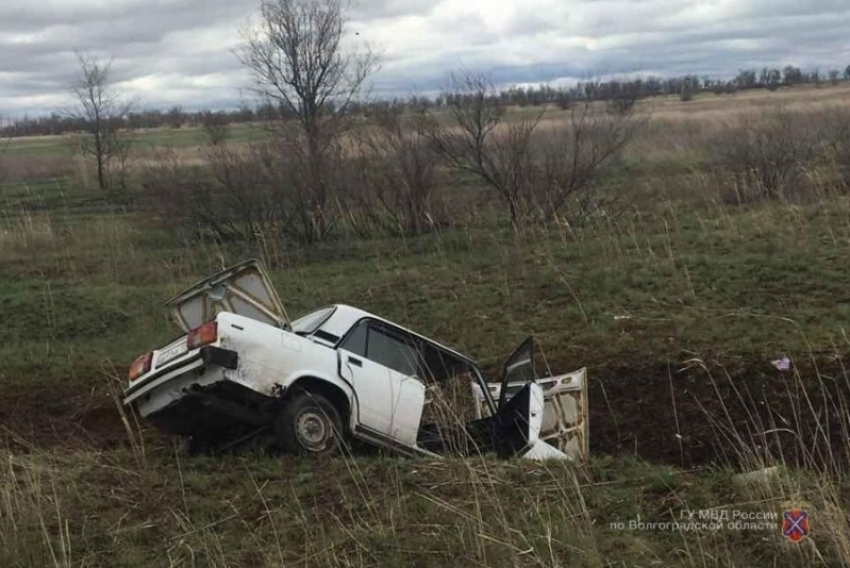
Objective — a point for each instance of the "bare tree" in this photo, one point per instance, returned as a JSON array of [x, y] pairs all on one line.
[[574, 154], [470, 143], [298, 62], [771, 78], [834, 76], [216, 126], [175, 117], [536, 175], [103, 113], [764, 156]]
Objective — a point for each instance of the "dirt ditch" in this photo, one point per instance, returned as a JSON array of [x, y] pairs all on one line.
[[60, 417], [693, 414], [686, 415]]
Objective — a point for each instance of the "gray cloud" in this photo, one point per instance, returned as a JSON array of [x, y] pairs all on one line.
[[180, 51]]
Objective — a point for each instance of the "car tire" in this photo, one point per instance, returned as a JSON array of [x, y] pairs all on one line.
[[308, 424]]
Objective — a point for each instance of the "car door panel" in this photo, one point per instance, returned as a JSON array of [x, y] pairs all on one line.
[[517, 427], [389, 402]]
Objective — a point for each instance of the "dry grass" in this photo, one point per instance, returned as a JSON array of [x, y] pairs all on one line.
[[111, 510]]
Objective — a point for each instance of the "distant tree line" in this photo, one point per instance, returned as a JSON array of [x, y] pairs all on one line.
[[619, 92], [175, 117]]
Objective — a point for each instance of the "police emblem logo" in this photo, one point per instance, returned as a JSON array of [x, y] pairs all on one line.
[[795, 525]]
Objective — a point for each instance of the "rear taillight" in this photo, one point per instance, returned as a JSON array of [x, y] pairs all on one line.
[[203, 335], [140, 366]]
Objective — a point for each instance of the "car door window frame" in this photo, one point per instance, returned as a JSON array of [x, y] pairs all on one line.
[[394, 333], [393, 338], [482, 381]]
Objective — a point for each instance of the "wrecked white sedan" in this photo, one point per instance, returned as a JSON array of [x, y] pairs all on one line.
[[338, 375]]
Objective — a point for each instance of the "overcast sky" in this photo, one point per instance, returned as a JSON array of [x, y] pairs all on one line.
[[170, 52]]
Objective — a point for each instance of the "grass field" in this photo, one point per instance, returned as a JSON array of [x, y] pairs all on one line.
[[677, 306]]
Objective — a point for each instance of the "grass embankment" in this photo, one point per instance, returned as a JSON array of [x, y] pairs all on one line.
[[751, 283]]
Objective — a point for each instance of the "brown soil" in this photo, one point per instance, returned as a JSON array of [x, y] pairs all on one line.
[[697, 415], [58, 417]]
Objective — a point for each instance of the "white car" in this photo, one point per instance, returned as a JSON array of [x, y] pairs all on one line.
[[339, 375]]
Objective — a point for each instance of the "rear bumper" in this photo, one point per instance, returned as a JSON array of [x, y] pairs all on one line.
[[216, 411], [194, 365]]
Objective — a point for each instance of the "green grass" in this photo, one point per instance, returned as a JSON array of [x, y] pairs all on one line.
[[752, 283]]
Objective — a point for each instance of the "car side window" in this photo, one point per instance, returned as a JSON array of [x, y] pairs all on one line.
[[384, 346], [437, 366], [391, 349], [356, 340]]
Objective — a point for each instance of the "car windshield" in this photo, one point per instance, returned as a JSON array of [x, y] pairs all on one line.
[[312, 321]]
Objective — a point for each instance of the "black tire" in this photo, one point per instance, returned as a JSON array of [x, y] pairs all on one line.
[[308, 424]]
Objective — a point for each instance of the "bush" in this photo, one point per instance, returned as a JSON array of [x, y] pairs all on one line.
[[763, 157], [537, 175], [268, 192], [393, 176], [837, 138]]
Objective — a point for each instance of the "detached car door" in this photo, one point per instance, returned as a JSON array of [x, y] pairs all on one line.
[[380, 362]]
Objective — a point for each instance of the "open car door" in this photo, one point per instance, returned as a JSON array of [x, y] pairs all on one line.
[[555, 412], [518, 369], [243, 289], [516, 426]]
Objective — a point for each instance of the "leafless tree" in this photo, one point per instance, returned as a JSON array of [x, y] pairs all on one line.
[[216, 126], [103, 113], [574, 154], [471, 143], [298, 62], [834, 76], [175, 117], [764, 156], [536, 175]]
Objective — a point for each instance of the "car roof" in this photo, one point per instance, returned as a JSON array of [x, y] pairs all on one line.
[[352, 315]]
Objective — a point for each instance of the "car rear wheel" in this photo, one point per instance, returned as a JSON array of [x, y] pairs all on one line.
[[309, 424]]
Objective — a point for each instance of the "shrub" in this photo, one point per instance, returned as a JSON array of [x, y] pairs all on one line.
[[837, 138], [393, 175], [763, 157], [536, 175]]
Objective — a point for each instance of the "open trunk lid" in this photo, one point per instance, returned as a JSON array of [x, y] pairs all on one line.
[[243, 289]]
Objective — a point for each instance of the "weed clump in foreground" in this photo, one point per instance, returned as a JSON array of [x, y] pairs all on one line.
[[103, 510]]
